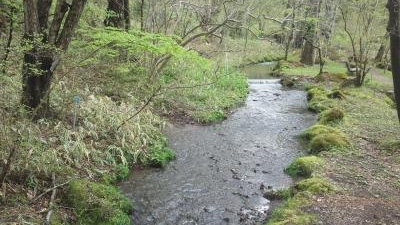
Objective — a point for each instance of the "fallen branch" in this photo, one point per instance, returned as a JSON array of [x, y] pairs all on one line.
[[53, 196], [49, 190]]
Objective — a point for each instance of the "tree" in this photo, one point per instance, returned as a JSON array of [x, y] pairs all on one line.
[[312, 15], [45, 44], [360, 25], [118, 14], [394, 31]]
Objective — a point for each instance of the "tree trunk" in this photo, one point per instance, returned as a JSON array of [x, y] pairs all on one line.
[[41, 60], [118, 14], [394, 30], [308, 53]]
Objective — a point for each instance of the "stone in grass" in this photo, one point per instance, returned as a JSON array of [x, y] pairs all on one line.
[[331, 115], [304, 166], [327, 141], [314, 185], [96, 203]]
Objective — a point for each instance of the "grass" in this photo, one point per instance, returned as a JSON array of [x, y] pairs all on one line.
[[370, 121], [312, 71]]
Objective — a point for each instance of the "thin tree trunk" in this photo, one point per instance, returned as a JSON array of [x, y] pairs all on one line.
[[9, 40], [394, 30], [118, 14]]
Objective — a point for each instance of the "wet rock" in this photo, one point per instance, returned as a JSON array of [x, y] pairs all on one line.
[[254, 171], [209, 209], [226, 219], [258, 164], [272, 195], [266, 172], [234, 171]]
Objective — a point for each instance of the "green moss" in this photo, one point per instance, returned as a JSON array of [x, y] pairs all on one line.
[[96, 203], [331, 115], [318, 100], [314, 185], [325, 142], [304, 166], [122, 172], [56, 219], [317, 129], [290, 213]]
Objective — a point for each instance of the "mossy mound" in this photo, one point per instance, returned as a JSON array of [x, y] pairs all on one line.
[[327, 141], [331, 115], [318, 129], [290, 213], [96, 203], [314, 185], [318, 100], [336, 94], [335, 77], [304, 166]]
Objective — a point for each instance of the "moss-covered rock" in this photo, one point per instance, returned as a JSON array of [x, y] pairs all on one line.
[[304, 166], [314, 185], [331, 115], [318, 100], [290, 213], [327, 141], [96, 203], [318, 129]]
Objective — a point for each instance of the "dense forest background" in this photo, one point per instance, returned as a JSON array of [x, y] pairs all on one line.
[[86, 86]]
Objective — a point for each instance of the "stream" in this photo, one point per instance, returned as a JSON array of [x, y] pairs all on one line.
[[222, 170]]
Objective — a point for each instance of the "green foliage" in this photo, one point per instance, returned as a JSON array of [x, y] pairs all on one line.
[[325, 142], [314, 186], [304, 166], [160, 154], [331, 115], [96, 203], [318, 100]]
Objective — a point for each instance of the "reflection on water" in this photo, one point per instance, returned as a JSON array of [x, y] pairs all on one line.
[[259, 71]]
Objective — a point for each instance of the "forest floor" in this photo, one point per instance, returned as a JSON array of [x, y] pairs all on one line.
[[366, 175]]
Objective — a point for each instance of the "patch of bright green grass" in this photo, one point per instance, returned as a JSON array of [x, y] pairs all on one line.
[[304, 166]]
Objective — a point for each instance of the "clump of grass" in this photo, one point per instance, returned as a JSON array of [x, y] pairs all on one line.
[[314, 186], [331, 115], [326, 142], [304, 166], [95, 203], [291, 212]]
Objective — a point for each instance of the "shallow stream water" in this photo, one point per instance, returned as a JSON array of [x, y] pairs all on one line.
[[222, 170]]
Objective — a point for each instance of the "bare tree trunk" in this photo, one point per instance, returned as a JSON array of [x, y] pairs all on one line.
[[41, 60], [9, 39], [118, 14], [394, 30], [142, 15]]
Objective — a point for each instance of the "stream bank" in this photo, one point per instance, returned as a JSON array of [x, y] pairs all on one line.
[[222, 170]]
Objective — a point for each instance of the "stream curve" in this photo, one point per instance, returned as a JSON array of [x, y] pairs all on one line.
[[221, 170]]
